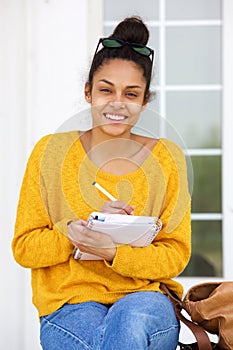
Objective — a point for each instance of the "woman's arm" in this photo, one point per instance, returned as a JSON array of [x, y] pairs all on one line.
[[165, 258], [37, 241], [169, 254]]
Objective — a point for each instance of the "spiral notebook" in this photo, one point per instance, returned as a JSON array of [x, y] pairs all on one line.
[[137, 231]]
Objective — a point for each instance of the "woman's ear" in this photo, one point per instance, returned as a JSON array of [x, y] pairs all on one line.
[[87, 92], [146, 100]]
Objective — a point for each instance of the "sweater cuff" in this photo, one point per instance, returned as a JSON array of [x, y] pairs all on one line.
[[120, 258]]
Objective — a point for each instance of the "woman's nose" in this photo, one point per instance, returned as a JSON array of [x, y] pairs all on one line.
[[117, 105], [117, 102]]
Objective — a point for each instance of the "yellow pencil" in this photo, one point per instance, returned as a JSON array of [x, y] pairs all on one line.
[[101, 189]]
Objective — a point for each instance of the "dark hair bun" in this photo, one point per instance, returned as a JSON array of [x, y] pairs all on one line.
[[132, 29]]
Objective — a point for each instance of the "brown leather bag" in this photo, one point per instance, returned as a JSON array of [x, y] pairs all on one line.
[[210, 306]]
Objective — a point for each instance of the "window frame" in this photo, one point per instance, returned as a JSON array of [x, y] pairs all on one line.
[[227, 141]]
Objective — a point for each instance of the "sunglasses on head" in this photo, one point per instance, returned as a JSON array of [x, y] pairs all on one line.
[[113, 43]]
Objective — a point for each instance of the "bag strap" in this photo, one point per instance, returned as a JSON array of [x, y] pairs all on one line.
[[199, 333]]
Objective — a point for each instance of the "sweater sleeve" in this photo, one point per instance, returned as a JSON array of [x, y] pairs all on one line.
[[37, 241], [169, 253]]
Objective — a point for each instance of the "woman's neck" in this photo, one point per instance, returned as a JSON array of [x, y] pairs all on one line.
[[95, 138], [118, 155]]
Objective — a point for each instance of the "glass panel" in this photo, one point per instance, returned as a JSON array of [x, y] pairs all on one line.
[[113, 11], [193, 9], [193, 55], [149, 121], [154, 44], [196, 115], [154, 103], [206, 195], [108, 30], [206, 259]]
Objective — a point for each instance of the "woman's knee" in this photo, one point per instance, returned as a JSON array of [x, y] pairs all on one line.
[[54, 337], [145, 318]]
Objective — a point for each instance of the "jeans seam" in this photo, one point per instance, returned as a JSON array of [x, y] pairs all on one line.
[[154, 335], [65, 331]]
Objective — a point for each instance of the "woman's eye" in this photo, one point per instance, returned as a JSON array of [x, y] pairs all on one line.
[[105, 90], [131, 94]]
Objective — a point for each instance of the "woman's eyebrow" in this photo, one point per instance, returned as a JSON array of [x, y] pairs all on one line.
[[134, 87], [128, 86], [106, 81]]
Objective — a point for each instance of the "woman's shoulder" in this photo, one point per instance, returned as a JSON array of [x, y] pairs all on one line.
[[56, 139], [52, 143], [163, 145], [171, 147], [169, 152]]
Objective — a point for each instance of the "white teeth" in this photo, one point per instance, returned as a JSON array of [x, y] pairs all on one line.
[[114, 117]]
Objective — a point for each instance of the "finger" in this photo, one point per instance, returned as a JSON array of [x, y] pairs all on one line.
[[78, 223], [75, 231], [123, 207]]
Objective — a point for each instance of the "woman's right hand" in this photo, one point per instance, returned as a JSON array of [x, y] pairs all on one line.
[[117, 207], [98, 243]]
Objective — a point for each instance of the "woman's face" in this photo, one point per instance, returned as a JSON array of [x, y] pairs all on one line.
[[117, 96]]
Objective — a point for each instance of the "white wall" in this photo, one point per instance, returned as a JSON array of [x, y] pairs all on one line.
[[44, 57], [12, 118]]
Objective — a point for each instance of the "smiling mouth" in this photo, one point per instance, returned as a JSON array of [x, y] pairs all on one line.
[[115, 117]]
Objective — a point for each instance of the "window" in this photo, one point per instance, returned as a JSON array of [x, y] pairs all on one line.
[[187, 37]]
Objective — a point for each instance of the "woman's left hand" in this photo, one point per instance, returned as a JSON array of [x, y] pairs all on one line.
[[91, 242]]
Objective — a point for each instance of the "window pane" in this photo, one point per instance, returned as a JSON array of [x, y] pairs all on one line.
[[154, 44], [196, 115], [193, 55], [150, 121], [206, 259], [207, 184], [193, 9], [113, 11], [108, 30]]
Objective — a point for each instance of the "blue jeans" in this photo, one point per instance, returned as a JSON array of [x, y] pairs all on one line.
[[138, 321]]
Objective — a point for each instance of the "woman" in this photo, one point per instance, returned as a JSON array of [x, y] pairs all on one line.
[[114, 302]]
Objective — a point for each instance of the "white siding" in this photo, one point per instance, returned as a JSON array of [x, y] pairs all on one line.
[[44, 55]]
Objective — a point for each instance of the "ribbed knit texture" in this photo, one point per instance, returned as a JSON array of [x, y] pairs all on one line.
[[57, 187]]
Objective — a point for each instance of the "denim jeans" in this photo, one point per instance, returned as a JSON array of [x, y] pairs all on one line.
[[138, 321]]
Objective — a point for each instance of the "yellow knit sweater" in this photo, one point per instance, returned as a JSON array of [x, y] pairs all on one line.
[[57, 187]]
